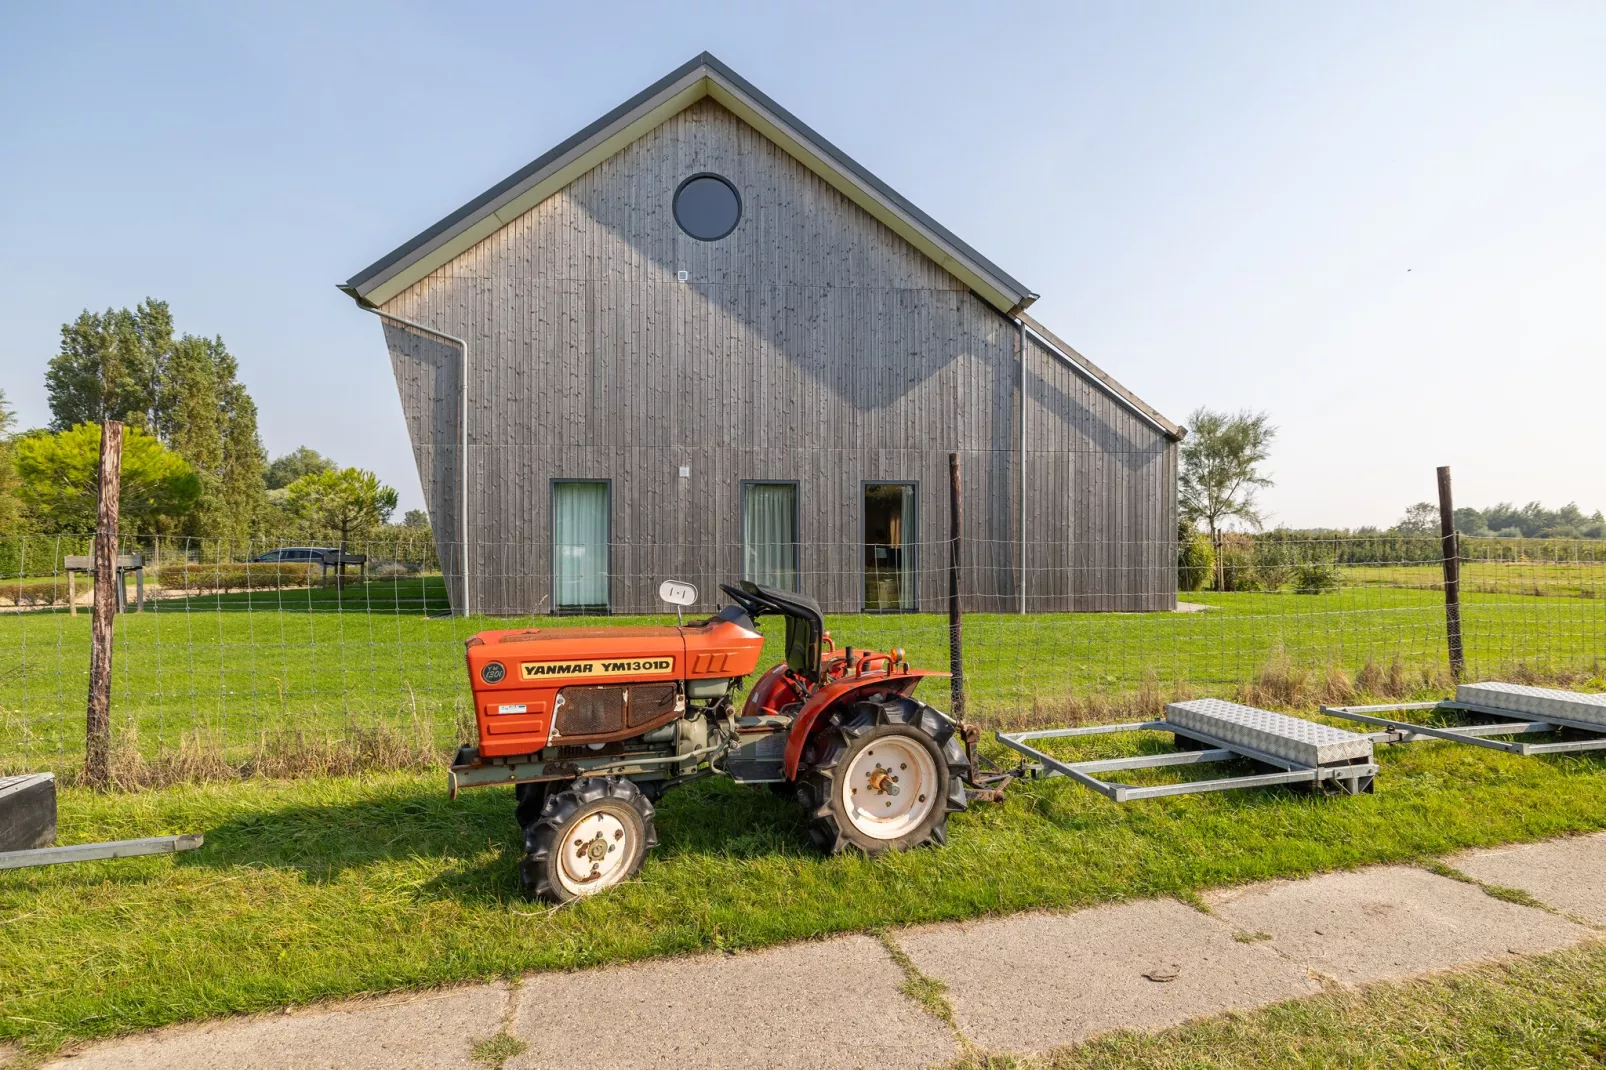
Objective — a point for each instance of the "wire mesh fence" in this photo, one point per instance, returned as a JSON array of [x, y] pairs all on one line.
[[278, 656]]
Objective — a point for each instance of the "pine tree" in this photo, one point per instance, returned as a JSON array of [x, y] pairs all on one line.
[[241, 491], [110, 366], [127, 365]]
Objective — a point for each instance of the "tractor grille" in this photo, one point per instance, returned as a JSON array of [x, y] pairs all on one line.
[[648, 703], [612, 711]]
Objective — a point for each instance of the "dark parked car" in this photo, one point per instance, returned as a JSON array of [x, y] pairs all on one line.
[[312, 555]]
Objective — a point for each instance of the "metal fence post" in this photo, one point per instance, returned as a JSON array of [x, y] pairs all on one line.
[[1450, 551], [97, 723], [956, 643]]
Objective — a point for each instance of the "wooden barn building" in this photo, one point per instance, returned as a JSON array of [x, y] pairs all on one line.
[[697, 341]]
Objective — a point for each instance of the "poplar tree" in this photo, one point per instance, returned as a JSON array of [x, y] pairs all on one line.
[[126, 364]]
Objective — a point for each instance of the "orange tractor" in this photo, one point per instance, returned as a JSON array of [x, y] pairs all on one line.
[[591, 725]]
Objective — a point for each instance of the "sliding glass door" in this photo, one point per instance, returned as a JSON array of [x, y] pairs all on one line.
[[769, 534], [889, 547], [580, 535]]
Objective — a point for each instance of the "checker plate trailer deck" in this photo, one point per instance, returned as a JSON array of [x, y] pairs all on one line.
[[1495, 710], [1287, 750]]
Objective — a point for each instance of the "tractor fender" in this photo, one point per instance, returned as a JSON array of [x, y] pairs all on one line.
[[840, 693]]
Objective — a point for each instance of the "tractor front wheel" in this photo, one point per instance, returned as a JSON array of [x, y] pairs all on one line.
[[590, 836], [884, 774]]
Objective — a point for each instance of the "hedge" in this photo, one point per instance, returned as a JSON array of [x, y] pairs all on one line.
[[203, 579]]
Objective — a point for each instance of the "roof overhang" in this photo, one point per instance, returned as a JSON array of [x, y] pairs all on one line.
[[702, 77], [1102, 379]]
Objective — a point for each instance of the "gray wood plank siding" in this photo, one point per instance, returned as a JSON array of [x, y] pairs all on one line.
[[812, 344]]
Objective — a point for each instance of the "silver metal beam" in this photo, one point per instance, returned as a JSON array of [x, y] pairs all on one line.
[[1155, 761], [89, 852], [1125, 793]]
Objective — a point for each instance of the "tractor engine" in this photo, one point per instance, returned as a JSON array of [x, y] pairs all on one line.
[[581, 693]]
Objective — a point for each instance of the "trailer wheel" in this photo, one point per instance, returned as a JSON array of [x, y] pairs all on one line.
[[884, 774], [590, 836]]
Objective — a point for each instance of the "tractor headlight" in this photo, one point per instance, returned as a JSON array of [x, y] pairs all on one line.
[[492, 672]]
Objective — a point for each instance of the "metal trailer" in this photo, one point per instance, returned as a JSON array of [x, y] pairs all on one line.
[[1535, 709], [1212, 730], [28, 828]]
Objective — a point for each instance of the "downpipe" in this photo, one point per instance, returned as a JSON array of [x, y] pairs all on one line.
[[462, 391], [1020, 325]]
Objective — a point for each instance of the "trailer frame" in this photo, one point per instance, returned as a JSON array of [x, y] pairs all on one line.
[[1477, 735], [1351, 778]]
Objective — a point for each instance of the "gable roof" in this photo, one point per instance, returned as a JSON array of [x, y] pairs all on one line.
[[703, 76]]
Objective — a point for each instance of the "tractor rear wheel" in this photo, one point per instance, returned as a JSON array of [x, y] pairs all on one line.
[[883, 775], [590, 836]]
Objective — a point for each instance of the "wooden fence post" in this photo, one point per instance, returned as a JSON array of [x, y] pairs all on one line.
[[97, 745], [1450, 551], [956, 643]]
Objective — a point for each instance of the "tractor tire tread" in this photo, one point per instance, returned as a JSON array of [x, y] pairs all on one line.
[[833, 740], [541, 836]]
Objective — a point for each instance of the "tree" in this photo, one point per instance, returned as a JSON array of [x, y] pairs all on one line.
[[205, 414], [1221, 460], [109, 366], [1420, 519], [299, 462], [416, 519], [60, 472], [127, 365], [348, 500], [1196, 557], [10, 503]]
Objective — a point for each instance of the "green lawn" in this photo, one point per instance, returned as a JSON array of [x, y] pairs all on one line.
[[235, 667], [320, 888], [1579, 579]]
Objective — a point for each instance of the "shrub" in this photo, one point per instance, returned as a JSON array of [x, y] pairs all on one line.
[[1315, 577], [39, 555], [45, 591], [1235, 562], [200, 579], [1196, 560], [1274, 564]]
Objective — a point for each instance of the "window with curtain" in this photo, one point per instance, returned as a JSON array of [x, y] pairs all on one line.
[[769, 534], [889, 551], [580, 547]]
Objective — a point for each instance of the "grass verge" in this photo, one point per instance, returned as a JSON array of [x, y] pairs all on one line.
[[317, 889], [1544, 1012]]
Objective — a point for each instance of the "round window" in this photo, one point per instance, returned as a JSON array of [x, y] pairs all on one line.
[[707, 207]]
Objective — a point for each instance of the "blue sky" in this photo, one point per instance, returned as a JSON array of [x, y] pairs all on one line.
[[1385, 224]]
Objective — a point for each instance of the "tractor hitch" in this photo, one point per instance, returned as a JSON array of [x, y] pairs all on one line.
[[987, 785]]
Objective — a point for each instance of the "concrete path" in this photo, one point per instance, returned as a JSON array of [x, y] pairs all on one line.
[[1022, 983]]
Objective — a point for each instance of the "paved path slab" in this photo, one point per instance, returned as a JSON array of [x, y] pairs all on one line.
[[1036, 981], [1568, 874], [1389, 922], [834, 1003], [422, 1032]]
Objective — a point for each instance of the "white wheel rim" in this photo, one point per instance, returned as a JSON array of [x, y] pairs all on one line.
[[596, 853], [890, 788]]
